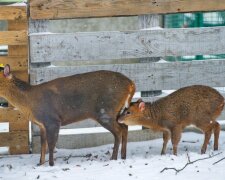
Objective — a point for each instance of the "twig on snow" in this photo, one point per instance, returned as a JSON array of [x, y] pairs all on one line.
[[188, 163], [219, 161], [66, 158]]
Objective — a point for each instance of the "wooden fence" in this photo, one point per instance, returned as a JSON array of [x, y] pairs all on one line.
[[17, 137], [47, 48]]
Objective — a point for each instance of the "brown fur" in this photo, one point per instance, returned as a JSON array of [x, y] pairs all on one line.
[[99, 95], [197, 105]]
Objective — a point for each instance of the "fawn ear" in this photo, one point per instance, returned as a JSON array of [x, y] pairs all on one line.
[[139, 100], [141, 106], [6, 70]]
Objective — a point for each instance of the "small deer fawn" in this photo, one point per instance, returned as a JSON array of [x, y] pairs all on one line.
[[197, 105], [100, 95]]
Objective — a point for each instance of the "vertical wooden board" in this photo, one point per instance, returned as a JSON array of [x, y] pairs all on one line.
[[9, 115], [149, 21], [16, 63], [19, 149], [17, 25], [23, 75], [18, 51], [36, 26], [19, 142], [14, 138], [23, 125]]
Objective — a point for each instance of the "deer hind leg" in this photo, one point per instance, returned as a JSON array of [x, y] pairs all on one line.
[[111, 124], [124, 141], [43, 141], [52, 132], [43, 145], [116, 130], [166, 138], [175, 137]]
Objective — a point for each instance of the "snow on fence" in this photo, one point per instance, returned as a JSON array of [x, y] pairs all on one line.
[[14, 132], [47, 48]]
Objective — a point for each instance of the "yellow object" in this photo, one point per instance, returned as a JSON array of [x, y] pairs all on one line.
[[2, 65]]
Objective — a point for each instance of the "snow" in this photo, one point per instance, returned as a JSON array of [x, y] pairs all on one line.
[[92, 130], [143, 162]]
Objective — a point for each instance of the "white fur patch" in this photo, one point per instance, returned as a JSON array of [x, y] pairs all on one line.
[[102, 110], [126, 105]]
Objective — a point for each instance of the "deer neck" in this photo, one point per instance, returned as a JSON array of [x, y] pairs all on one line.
[[152, 112]]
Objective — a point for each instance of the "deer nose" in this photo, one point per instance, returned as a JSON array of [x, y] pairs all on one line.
[[120, 120]]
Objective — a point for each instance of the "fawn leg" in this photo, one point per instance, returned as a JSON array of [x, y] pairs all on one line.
[[208, 132], [175, 137], [216, 135], [166, 137]]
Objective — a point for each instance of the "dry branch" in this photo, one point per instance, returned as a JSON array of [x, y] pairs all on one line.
[[188, 163], [219, 161]]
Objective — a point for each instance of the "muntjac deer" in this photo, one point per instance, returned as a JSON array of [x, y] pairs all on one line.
[[197, 105], [100, 95]]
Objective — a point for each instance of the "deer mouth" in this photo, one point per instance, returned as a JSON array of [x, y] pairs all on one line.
[[120, 121]]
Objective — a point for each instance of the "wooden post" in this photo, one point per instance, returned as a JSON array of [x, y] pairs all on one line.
[[17, 139], [145, 22]]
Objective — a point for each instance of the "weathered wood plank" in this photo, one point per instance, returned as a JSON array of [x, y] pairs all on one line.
[[36, 26], [45, 9], [13, 37], [23, 75], [17, 25], [130, 44], [19, 149], [16, 63], [22, 125], [13, 13], [93, 124], [10, 115], [148, 76], [94, 139], [14, 138], [18, 51]]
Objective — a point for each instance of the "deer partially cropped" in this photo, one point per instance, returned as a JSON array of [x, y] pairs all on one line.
[[197, 105], [100, 95]]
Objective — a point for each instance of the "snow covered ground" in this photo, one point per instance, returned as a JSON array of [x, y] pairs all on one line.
[[143, 162]]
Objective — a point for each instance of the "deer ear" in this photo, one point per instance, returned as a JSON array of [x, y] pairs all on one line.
[[139, 100], [141, 106], [6, 70]]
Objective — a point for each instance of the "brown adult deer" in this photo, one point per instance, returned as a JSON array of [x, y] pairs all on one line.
[[100, 95], [197, 105]]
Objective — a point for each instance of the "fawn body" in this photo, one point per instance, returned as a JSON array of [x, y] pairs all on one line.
[[197, 105]]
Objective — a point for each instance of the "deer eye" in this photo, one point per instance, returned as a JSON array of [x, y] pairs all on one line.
[[128, 112]]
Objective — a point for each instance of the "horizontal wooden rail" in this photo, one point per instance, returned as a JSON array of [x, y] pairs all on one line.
[[148, 76], [129, 44], [17, 63], [13, 37], [13, 13], [58, 9]]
